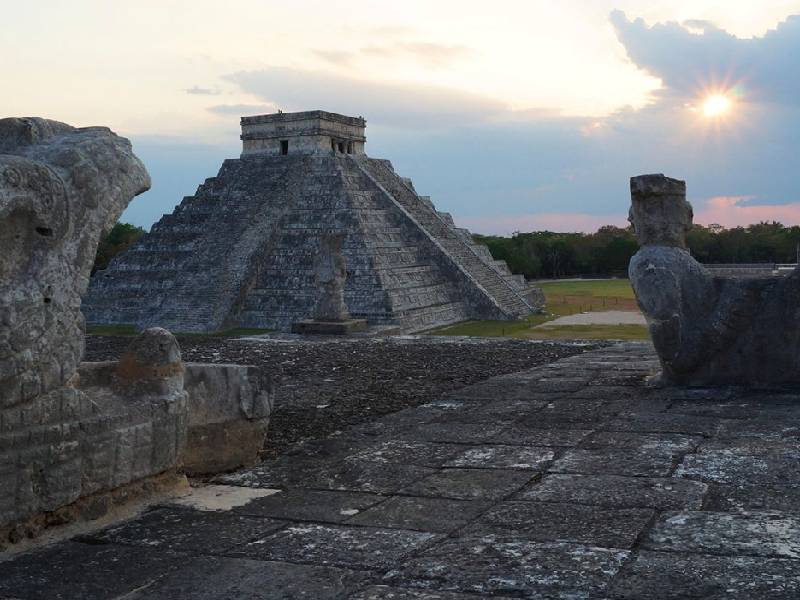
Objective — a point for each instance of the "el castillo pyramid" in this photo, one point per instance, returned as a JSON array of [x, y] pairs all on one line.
[[240, 251]]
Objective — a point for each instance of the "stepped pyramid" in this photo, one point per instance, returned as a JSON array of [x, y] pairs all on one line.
[[240, 251]]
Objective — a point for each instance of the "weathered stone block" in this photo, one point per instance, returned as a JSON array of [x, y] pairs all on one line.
[[229, 409]]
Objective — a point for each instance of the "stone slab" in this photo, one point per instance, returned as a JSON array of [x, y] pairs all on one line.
[[438, 515], [385, 592], [493, 566], [615, 491], [340, 546], [312, 327], [311, 505], [524, 435], [558, 522], [458, 433], [424, 454], [188, 530], [212, 578], [646, 422], [366, 476], [470, 484], [628, 462], [494, 412], [670, 576], [72, 570], [286, 471], [503, 457], [746, 497], [730, 467], [768, 534], [668, 442]]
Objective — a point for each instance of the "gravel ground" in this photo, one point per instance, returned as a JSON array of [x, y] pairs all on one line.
[[329, 384]]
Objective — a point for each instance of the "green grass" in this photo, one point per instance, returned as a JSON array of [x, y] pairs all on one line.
[[563, 298], [590, 332], [609, 288]]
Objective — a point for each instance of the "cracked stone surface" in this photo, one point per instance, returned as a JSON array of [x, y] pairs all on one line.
[[551, 522], [600, 488], [350, 547]]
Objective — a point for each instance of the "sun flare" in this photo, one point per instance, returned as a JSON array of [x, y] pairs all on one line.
[[716, 105]]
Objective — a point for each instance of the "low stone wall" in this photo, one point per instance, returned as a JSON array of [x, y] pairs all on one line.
[[229, 410]]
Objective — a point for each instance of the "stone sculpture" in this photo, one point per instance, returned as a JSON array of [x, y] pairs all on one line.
[[60, 188], [330, 273], [70, 430], [707, 330]]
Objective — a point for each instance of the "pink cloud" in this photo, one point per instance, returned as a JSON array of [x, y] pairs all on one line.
[[728, 211]]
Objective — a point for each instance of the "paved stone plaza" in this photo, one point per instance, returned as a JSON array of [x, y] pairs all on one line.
[[569, 480]]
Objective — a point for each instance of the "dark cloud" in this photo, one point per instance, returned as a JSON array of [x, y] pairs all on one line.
[[765, 67]]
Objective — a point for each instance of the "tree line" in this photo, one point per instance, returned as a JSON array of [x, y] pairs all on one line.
[[121, 237], [543, 254]]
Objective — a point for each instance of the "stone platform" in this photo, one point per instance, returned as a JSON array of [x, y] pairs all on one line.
[[315, 327], [571, 480]]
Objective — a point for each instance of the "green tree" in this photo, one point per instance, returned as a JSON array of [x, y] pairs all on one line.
[[121, 237]]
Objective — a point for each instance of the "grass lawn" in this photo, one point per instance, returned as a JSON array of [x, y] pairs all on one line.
[[564, 298]]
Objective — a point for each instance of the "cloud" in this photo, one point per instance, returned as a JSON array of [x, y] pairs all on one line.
[[728, 211], [336, 57], [199, 91], [436, 55], [733, 211], [410, 106], [764, 67], [429, 54], [242, 109], [500, 170]]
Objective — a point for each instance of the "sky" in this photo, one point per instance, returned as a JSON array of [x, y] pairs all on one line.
[[516, 115]]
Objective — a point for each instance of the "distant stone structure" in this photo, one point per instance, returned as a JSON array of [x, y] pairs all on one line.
[[330, 314], [707, 329], [241, 251], [70, 430]]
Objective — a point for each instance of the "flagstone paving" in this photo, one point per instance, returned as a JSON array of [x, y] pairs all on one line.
[[573, 480]]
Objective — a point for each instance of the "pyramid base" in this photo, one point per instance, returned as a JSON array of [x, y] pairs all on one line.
[[312, 327]]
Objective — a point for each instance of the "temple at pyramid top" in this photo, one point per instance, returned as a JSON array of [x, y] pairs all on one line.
[[241, 251], [309, 132]]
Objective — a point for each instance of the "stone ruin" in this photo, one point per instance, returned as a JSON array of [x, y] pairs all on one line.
[[72, 433], [241, 251], [707, 329]]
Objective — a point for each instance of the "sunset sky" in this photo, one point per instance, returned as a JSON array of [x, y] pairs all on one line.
[[517, 115]]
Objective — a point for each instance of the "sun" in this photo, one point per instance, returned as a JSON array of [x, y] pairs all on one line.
[[716, 105]]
